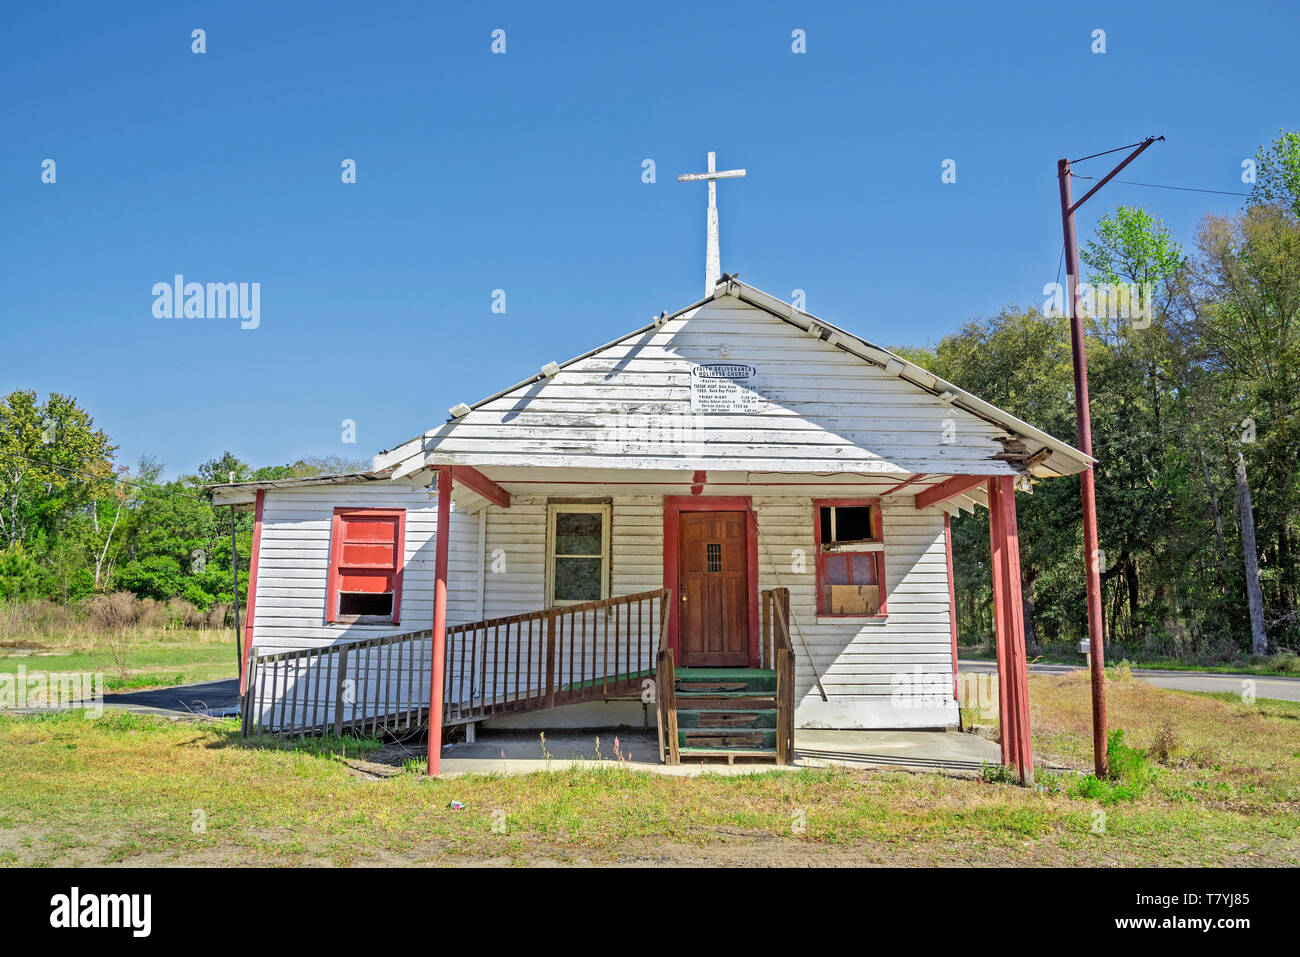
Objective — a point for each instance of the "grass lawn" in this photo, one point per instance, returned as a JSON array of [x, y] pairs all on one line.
[[137, 658], [1222, 787]]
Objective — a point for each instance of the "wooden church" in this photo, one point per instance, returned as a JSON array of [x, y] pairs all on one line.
[[729, 524]]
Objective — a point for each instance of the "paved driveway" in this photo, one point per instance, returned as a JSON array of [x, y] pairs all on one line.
[[1285, 689], [214, 698]]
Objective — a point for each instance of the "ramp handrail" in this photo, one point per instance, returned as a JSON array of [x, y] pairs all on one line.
[[593, 650]]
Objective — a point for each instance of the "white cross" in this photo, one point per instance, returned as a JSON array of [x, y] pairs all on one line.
[[713, 259]]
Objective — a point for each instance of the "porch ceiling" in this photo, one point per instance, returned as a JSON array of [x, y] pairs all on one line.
[[895, 487]]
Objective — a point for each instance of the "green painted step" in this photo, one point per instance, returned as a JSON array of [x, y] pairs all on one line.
[[722, 719], [724, 680], [725, 752], [727, 739]]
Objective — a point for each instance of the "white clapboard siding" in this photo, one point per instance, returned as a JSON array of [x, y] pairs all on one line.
[[865, 665], [628, 407], [293, 563], [861, 662]]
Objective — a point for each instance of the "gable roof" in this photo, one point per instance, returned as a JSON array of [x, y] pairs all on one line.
[[994, 441]]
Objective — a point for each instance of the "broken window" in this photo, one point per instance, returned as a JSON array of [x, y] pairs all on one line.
[[850, 559]]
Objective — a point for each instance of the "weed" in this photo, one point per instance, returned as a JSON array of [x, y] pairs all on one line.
[[999, 774], [1131, 773]]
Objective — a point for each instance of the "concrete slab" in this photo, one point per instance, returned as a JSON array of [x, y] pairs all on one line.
[[520, 752]]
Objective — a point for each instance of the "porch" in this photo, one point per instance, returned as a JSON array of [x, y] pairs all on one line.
[[746, 606]]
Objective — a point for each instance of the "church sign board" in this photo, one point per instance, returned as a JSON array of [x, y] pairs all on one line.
[[723, 387]]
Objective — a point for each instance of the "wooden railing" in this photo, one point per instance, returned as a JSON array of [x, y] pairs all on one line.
[[777, 649], [591, 651], [544, 659], [666, 694], [365, 686]]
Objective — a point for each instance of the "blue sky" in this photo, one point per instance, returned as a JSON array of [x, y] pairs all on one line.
[[522, 172]]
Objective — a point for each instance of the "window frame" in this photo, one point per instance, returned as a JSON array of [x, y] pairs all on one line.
[[875, 547], [333, 580], [605, 510]]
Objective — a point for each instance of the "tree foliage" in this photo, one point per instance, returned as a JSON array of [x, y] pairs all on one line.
[[1212, 371], [75, 523]]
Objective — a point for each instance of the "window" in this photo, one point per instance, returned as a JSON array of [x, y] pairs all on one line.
[[850, 558], [713, 557], [365, 574], [577, 553]]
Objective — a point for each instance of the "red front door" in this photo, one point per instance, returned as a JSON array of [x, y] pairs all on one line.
[[713, 581]]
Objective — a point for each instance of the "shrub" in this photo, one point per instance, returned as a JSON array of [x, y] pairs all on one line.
[[20, 577], [1163, 748], [1287, 661], [112, 612]]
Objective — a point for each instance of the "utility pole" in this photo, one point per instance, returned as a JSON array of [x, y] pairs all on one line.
[[234, 571], [1083, 419]]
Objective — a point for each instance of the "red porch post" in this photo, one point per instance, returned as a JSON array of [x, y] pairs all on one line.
[[1008, 600], [439, 619], [250, 603], [952, 600]]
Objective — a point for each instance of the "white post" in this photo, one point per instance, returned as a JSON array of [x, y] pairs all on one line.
[[713, 258]]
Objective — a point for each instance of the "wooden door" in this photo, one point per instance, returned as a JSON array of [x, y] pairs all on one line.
[[713, 579]]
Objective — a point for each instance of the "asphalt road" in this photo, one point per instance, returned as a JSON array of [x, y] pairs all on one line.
[[1284, 689], [215, 698]]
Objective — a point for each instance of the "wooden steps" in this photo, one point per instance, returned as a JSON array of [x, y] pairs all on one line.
[[726, 712]]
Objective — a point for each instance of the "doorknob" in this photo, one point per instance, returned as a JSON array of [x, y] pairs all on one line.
[[683, 594]]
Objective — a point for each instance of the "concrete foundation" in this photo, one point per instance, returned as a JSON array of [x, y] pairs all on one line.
[[524, 751]]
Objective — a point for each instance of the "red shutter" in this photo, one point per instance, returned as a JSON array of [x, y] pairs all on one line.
[[366, 555]]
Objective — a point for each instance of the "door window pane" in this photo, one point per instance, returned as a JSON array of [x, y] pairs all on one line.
[[713, 557]]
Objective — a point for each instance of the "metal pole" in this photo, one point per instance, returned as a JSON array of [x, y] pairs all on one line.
[[234, 570], [1088, 487]]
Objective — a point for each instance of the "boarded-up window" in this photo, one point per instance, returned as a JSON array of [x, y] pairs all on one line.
[[850, 558], [577, 554], [365, 576]]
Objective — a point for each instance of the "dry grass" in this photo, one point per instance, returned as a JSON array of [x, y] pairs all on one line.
[[83, 625], [136, 643], [129, 789], [1237, 754]]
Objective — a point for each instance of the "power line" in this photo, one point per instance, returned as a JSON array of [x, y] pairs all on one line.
[[1108, 152], [1188, 189], [93, 477]]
